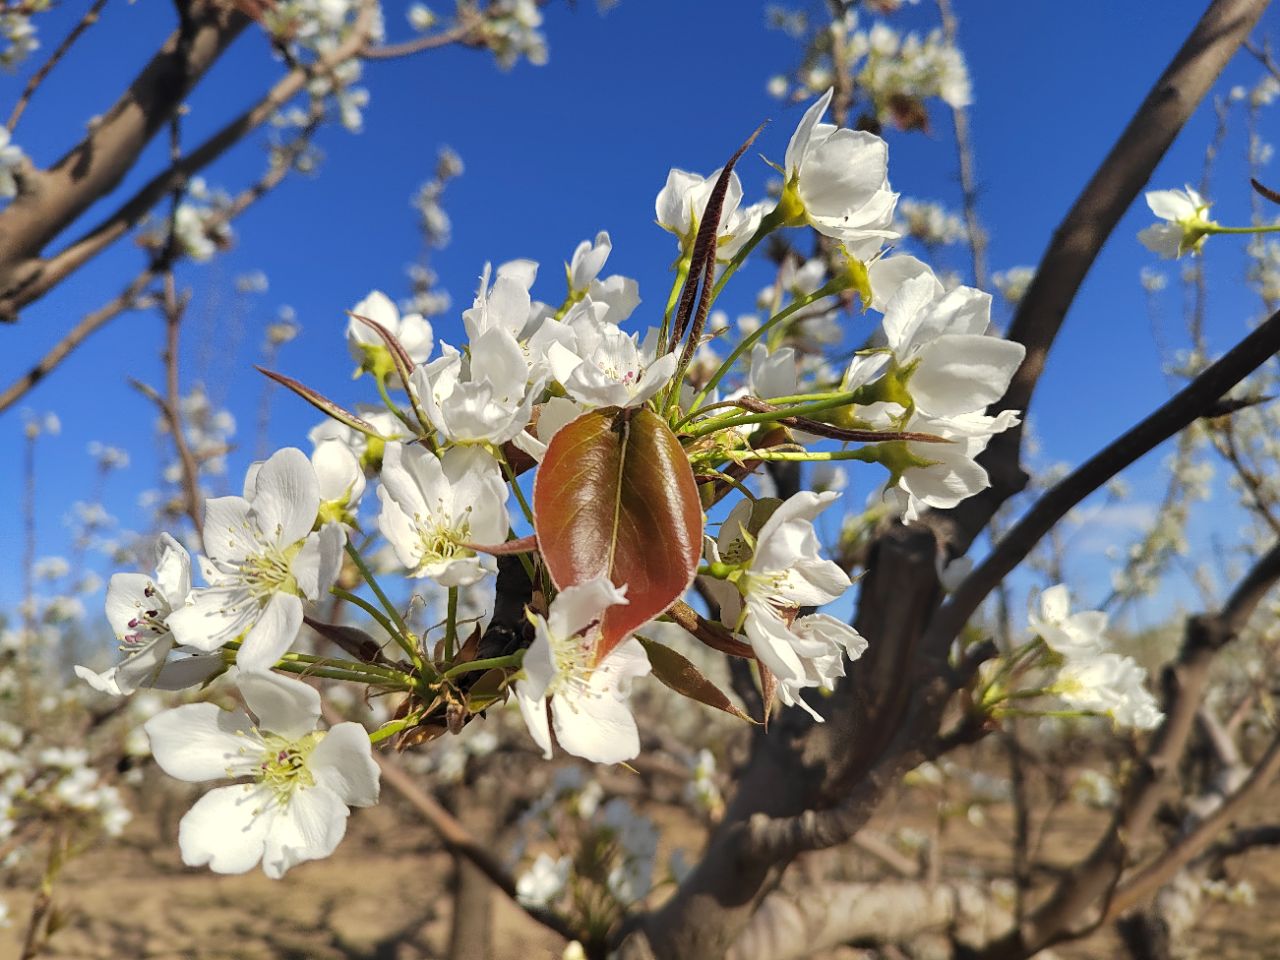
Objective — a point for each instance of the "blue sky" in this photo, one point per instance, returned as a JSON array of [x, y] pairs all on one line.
[[554, 154]]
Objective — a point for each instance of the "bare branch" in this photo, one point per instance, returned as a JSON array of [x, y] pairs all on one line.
[[32, 278], [1181, 410], [51, 199], [1079, 238], [37, 78]]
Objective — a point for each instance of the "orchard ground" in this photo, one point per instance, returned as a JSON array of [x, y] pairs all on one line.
[[386, 894]]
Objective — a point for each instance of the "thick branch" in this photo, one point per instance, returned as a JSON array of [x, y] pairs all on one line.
[[51, 199], [1079, 238], [23, 282], [1175, 415]]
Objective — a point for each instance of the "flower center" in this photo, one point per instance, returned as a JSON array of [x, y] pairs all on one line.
[[270, 572], [283, 767], [571, 658]]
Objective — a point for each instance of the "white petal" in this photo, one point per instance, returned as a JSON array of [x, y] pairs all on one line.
[[276, 629], [960, 373], [282, 704], [343, 762], [198, 741], [310, 827], [227, 828], [286, 496]]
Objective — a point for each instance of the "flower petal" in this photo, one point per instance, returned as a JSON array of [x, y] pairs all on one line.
[[199, 741], [343, 762], [227, 828]]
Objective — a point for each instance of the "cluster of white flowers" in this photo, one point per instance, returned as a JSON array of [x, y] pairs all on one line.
[[895, 71], [18, 34], [436, 226], [39, 781], [319, 27], [1091, 678], [1013, 283], [199, 223], [930, 223], [606, 849], [442, 458], [511, 31]]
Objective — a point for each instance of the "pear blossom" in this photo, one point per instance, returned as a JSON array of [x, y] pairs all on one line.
[[340, 479], [589, 711], [1109, 684], [588, 260], [1186, 223], [366, 449], [298, 781], [779, 570], [682, 201], [608, 368], [941, 475], [367, 347], [837, 182], [1070, 634], [138, 607], [482, 399], [544, 882], [433, 507], [554, 414], [772, 374], [504, 301], [263, 559], [957, 368]]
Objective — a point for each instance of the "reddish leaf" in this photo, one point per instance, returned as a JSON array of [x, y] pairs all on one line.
[[615, 497], [687, 680]]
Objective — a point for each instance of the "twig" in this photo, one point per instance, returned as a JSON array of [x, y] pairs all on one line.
[[88, 20], [460, 32], [1183, 408], [131, 298], [1079, 238], [31, 279], [964, 157], [1156, 874]]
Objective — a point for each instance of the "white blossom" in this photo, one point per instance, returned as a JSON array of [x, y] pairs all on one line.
[[433, 507], [263, 561], [298, 781], [588, 700]]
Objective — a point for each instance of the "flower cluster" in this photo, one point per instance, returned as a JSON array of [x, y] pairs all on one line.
[[636, 438], [1083, 673]]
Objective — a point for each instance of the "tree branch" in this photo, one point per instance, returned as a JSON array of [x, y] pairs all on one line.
[[51, 199], [1175, 415], [1079, 238], [30, 279]]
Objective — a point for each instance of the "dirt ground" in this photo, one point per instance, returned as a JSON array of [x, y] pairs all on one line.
[[384, 894]]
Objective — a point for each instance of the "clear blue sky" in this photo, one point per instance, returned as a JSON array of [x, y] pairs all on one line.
[[554, 154]]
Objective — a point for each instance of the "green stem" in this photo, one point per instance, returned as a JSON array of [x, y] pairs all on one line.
[[491, 663], [716, 424], [830, 288], [392, 405], [392, 728], [332, 673], [372, 670], [451, 625], [865, 454], [1268, 228], [367, 607], [402, 634], [682, 274]]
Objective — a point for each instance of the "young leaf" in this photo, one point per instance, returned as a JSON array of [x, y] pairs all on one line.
[[685, 679], [615, 497]]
